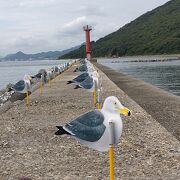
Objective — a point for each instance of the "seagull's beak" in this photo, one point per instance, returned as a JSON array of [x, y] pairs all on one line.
[[124, 111]]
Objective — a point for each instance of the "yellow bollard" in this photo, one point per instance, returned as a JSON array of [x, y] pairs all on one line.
[[111, 161], [49, 82], [111, 150], [98, 105], [27, 98], [41, 84], [94, 97]]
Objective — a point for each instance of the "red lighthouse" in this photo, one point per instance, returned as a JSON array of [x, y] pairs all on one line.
[[88, 46]]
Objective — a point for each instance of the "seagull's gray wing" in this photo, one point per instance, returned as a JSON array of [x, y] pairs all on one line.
[[42, 71], [82, 68], [81, 77], [87, 83], [56, 69], [19, 86], [38, 75], [88, 127]]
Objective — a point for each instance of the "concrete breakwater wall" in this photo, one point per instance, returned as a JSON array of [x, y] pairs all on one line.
[[28, 147], [162, 105]]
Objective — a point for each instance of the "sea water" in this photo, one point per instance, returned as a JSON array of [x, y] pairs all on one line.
[[13, 71], [163, 74]]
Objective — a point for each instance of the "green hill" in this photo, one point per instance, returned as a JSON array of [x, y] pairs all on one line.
[[155, 32]]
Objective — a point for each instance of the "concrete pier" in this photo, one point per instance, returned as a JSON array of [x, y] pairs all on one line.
[[161, 105], [29, 148]]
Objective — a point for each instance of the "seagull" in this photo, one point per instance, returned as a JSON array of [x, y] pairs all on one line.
[[23, 85], [90, 82], [41, 75], [60, 67], [85, 66], [56, 69], [49, 74], [81, 68], [79, 78], [83, 61], [92, 128], [83, 76]]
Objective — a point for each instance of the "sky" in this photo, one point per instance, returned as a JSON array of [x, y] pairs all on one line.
[[34, 26]]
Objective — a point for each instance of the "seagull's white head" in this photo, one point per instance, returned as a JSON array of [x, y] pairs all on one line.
[[95, 74], [113, 105], [27, 77]]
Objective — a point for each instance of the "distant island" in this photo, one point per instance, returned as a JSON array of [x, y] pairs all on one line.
[[19, 56], [155, 32]]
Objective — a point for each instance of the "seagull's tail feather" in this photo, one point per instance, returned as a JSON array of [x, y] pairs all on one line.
[[77, 87], [69, 82], [61, 131], [9, 89]]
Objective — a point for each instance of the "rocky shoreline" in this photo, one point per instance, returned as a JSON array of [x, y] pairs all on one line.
[[148, 59]]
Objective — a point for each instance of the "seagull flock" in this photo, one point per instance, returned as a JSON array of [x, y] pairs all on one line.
[[45, 75], [89, 79], [25, 85], [92, 128]]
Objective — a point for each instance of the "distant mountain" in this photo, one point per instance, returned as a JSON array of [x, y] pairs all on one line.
[[39, 56], [155, 32]]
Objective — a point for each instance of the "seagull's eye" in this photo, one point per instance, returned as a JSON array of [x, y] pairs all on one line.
[[115, 103]]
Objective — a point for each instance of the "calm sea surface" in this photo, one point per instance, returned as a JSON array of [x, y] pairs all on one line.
[[165, 75], [13, 71]]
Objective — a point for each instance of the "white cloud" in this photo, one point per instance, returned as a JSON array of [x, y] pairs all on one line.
[[92, 10], [36, 3], [76, 22], [75, 27], [42, 25]]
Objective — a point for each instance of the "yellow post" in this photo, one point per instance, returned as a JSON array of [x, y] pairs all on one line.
[[94, 97], [98, 105], [111, 162], [111, 150], [98, 98], [27, 97], [41, 87], [49, 81]]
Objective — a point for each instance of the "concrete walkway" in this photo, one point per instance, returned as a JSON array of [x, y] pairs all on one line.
[[29, 148], [161, 105]]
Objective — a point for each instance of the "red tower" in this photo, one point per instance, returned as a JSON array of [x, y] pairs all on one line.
[[88, 46]]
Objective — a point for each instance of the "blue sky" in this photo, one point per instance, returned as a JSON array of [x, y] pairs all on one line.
[[33, 26]]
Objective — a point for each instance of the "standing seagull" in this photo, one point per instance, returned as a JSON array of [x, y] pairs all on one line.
[[79, 78], [23, 85], [81, 68], [90, 83], [92, 128]]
